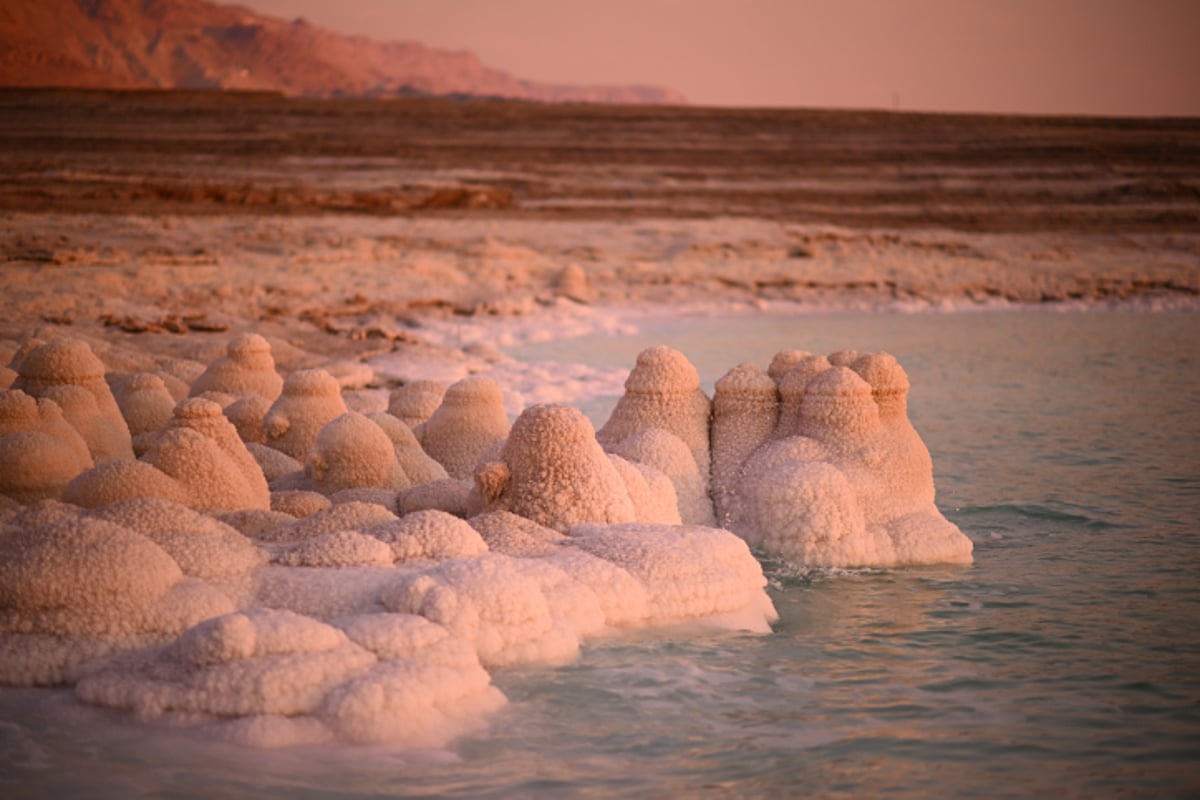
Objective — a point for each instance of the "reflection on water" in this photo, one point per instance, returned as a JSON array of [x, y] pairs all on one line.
[[1065, 661]]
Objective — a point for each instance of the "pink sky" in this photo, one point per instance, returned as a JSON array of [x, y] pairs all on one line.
[[1138, 57]]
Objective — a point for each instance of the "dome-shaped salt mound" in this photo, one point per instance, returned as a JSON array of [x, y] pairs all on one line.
[[793, 385], [415, 402], [352, 452], [432, 535], [468, 423], [353, 516], [145, 402], [552, 470], [337, 549], [505, 532], [662, 391], [667, 453], [416, 463], [40, 452], [247, 368], [73, 588], [453, 497], [197, 460], [68, 372], [745, 413], [310, 399]]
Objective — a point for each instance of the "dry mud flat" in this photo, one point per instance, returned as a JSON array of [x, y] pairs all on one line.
[[345, 227]]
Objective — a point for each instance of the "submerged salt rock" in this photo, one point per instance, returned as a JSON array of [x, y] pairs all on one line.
[[352, 452], [745, 412], [254, 662], [432, 535], [310, 399], [414, 402], [469, 421], [247, 368], [144, 401], [690, 573], [662, 391], [552, 470], [505, 532], [667, 453], [447, 494], [68, 372]]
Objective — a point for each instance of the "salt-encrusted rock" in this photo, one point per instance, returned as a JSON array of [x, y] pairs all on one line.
[[247, 368], [310, 399], [415, 402], [69, 373], [662, 391], [469, 422], [552, 470]]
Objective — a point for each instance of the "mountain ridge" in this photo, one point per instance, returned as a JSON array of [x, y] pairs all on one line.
[[198, 44]]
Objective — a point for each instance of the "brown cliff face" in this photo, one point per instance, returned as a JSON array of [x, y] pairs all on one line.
[[194, 44]]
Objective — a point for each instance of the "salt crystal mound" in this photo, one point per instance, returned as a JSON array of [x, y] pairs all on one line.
[[505, 532], [844, 480], [446, 494], [69, 373], [663, 391], [68, 595], [247, 368], [246, 414], [275, 465], [668, 454], [275, 678], [416, 463], [415, 402], [553, 471], [469, 422], [352, 516], [40, 452], [429, 535], [310, 399], [145, 404], [352, 452], [197, 460]]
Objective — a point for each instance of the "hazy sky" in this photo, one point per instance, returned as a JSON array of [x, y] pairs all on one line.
[[1035, 56]]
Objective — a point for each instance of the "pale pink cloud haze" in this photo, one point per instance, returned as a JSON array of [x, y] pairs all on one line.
[[1138, 57]]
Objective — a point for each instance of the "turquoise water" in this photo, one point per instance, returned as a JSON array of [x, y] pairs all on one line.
[[1065, 661]]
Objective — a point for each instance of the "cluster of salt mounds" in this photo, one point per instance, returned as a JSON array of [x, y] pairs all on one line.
[[248, 556]]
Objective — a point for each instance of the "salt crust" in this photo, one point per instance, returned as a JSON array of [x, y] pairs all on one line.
[[372, 627]]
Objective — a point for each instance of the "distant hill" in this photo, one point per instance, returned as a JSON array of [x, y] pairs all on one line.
[[194, 44]]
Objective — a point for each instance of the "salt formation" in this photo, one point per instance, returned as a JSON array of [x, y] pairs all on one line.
[[273, 678], [433, 535], [552, 470], [68, 594], [505, 532], [310, 399], [663, 392], [469, 421], [350, 452], [668, 454], [453, 497], [197, 460], [415, 402], [40, 452], [843, 480], [745, 410], [416, 463], [247, 368], [146, 406], [246, 414], [68, 372]]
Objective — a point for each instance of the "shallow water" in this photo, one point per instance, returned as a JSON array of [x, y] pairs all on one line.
[[1065, 661]]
